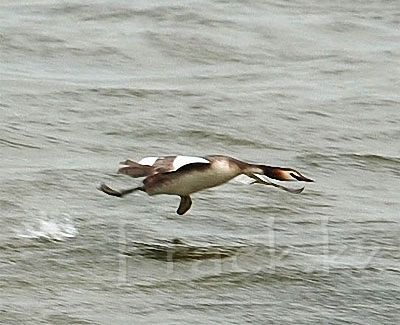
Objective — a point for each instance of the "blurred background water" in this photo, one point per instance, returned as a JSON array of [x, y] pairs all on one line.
[[308, 84]]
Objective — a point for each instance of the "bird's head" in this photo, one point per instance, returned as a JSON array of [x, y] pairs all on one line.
[[284, 174]]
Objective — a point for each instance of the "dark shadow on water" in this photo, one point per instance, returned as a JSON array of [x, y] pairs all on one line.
[[177, 250]]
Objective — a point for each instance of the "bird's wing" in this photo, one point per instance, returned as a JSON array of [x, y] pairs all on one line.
[[156, 165]]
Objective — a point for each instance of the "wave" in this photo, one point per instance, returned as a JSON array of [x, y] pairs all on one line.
[[218, 137], [359, 160], [15, 144], [373, 158]]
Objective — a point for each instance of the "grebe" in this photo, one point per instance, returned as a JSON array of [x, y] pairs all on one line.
[[184, 175]]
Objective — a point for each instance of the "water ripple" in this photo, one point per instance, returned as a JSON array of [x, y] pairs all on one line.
[[15, 144]]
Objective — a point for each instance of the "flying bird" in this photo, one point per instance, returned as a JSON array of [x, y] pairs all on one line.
[[185, 175]]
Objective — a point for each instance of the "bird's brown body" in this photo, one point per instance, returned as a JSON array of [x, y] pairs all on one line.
[[184, 175]]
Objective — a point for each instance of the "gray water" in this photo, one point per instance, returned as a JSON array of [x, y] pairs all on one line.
[[308, 84]]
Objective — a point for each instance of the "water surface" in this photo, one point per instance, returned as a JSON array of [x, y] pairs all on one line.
[[308, 84]]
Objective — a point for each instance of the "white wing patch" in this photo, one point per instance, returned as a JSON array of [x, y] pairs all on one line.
[[184, 160], [149, 161]]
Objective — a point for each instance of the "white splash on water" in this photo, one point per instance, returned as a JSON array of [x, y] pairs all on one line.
[[49, 227]]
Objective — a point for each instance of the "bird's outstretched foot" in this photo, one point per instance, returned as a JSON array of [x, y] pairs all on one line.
[[108, 190]]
